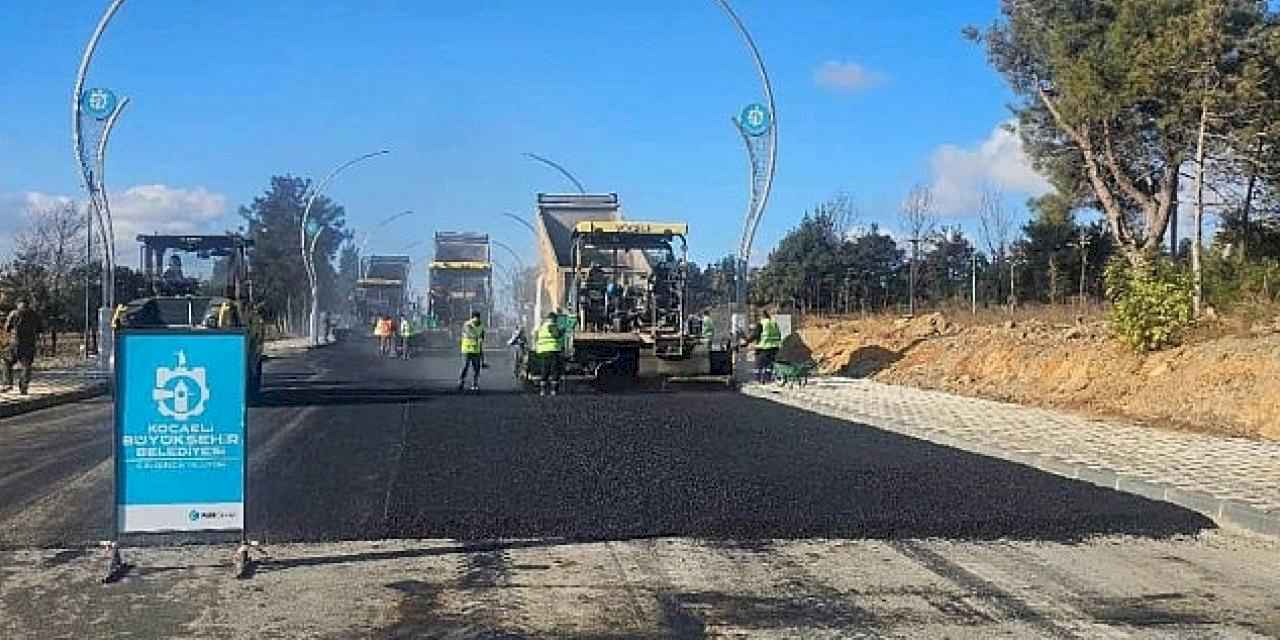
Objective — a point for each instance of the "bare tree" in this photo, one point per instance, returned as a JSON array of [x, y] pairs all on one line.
[[844, 211], [919, 221], [52, 247], [997, 227]]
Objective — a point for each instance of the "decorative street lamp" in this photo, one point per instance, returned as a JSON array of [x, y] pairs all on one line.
[[522, 221], [308, 261], [555, 165], [368, 235], [758, 125], [103, 108]]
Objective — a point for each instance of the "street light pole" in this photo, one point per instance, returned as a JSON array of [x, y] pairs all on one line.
[[522, 221], [94, 209], [368, 235], [762, 168], [554, 165], [307, 261]]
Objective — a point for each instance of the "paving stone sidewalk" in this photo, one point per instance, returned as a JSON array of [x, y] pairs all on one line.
[[82, 380], [1234, 481], [51, 387]]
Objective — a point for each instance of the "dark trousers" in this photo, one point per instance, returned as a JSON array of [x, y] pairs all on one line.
[[550, 365], [19, 355], [472, 364], [764, 363]]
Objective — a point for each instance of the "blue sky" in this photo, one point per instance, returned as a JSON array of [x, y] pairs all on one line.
[[872, 97]]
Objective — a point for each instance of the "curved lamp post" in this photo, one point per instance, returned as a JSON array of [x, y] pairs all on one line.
[[516, 256], [763, 161], [96, 207], [554, 165], [368, 235], [528, 225], [308, 261], [100, 175]]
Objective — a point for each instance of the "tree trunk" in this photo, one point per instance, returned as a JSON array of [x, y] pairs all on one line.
[[1197, 274], [1248, 204]]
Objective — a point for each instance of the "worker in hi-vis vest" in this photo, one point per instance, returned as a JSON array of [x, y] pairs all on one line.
[[472, 351], [548, 349], [406, 335], [708, 328], [768, 341]]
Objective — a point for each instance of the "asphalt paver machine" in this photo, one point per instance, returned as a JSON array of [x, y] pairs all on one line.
[[621, 289]]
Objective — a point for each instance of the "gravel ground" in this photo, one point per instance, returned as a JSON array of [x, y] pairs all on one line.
[[693, 512]]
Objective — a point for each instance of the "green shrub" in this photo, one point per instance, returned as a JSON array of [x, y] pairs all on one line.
[[1151, 305], [1229, 282]]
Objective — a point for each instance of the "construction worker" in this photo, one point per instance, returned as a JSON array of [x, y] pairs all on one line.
[[768, 340], [23, 326], [406, 334], [384, 330], [472, 351], [548, 347], [708, 328]]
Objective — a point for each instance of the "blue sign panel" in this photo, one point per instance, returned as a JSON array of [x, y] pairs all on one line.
[[98, 103], [756, 120], [180, 431]]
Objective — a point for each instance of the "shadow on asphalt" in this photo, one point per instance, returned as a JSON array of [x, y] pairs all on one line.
[[355, 395]]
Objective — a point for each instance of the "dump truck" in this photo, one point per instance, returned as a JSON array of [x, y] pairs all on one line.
[[198, 282], [621, 289], [382, 288], [460, 282]]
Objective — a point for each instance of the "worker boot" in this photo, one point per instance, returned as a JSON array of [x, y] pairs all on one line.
[[555, 388], [542, 389]]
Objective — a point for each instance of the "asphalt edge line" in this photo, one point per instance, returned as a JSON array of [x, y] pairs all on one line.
[[51, 400], [1224, 512]]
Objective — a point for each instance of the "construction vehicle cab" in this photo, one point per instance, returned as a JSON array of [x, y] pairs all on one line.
[[198, 282]]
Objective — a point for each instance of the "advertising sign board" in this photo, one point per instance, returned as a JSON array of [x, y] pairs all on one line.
[[180, 431]]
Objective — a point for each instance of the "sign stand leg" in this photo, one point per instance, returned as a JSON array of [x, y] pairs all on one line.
[[115, 563], [243, 561]]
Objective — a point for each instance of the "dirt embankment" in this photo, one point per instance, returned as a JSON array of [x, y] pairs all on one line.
[[1226, 385]]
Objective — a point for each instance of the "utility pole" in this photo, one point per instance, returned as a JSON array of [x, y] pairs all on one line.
[[974, 272], [911, 293], [1084, 267]]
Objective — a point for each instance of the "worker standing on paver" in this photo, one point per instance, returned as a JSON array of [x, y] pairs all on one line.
[[472, 351], [23, 327], [768, 340], [548, 348], [406, 335]]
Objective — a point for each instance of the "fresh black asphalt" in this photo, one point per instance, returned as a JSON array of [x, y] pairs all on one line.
[[349, 446]]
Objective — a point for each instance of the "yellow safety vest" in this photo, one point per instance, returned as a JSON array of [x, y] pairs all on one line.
[[472, 337], [546, 341], [406, 328], [770, 334], [708, 328]]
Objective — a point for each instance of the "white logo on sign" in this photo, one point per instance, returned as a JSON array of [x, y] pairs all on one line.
[[180, 392]]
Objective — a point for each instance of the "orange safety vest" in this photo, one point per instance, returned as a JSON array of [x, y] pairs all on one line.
[[383, 329]]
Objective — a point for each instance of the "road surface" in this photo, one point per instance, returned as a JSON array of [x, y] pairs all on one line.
[[395, 506]]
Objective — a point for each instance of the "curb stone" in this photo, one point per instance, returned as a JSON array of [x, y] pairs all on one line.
[[52, 400], [1225, 512]]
